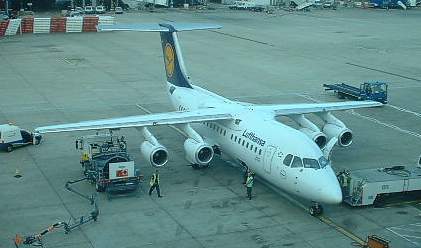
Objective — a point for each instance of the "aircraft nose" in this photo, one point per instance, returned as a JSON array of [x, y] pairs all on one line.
[[332, 195], [330, 192]]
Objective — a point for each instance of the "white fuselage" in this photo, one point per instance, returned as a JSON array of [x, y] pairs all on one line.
[[256, 140]]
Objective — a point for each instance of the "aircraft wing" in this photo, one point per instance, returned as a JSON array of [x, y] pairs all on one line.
[[306, 108], [167, 118]]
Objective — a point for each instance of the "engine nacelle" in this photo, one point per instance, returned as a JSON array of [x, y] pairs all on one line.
[[317, 136], [335, 128], [197, 152], [343, 134], [310, 129], [157, 155]]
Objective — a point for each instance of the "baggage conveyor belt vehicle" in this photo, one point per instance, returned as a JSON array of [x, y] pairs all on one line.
[[375, 91]]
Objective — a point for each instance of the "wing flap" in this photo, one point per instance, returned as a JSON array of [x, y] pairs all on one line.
[[306, 108], [167, 118]]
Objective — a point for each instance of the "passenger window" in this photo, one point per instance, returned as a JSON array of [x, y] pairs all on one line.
[[243, 143], [311, 163], [255, 149], [260, 151], [251, 147], [235, 138], [225, 132], [287, 160], [232, 135], [296, 162], [247, 145], [239, 140]]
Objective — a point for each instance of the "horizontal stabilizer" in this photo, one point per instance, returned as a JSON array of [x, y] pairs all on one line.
[[155, 27]]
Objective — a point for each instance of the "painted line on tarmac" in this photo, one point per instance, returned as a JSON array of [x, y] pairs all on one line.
[[385, 72], [417, 135], [352, 112], [405, 232], [404, 110], [242, 38]]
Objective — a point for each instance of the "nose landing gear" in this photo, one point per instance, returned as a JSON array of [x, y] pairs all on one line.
[[316, 209]]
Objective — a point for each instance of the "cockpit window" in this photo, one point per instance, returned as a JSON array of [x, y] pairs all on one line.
[[311, 163], [323, 162], [296, 162], [287, 160]]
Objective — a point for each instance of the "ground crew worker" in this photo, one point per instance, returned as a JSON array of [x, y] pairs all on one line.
[[154, 183], [246, 175], [249, 184]]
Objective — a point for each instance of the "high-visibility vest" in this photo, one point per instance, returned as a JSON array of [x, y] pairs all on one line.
[[250, 181], [152, 182], [85, 157]]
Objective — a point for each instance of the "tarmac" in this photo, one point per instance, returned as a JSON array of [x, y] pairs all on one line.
[[256, 57]]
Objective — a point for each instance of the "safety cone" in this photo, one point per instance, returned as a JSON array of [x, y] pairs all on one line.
[[17, 174]]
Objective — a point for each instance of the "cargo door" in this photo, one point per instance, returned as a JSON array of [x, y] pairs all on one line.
[[267, 160]]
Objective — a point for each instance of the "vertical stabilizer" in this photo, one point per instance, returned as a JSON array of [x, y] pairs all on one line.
[[174, 64]]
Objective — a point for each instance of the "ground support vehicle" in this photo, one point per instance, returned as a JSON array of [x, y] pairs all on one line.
[[376, 186], [247, 5], [107, 163], [375, 91], [12, 136]]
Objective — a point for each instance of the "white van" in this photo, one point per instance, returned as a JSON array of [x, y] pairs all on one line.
[[12, 136]]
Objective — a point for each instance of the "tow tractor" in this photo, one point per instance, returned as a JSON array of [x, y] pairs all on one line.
[[107, 164], [12, 136], [375, 91]]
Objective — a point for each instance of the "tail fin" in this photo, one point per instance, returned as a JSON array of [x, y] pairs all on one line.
[[174, 64], [173, 59]]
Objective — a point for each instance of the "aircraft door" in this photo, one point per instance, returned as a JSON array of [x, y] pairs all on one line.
[[267, 160]]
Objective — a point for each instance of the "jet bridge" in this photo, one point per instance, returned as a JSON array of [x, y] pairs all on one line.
[[375, 186]]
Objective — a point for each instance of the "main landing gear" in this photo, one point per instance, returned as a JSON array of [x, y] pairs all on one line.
[[316, 209]]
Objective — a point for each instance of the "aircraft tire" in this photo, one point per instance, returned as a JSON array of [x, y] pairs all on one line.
[[315, 210]]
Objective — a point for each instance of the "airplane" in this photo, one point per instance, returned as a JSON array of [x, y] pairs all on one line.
[[293, 160]]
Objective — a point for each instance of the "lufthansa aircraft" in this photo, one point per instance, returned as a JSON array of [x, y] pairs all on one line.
[[294, 160]]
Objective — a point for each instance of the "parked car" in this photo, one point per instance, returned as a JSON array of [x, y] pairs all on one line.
[[329, 5], [100, 10], [12, 136], [89, 10], [74, 13], [118, 10]]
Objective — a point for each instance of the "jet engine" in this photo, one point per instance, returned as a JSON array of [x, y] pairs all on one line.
[[318, 137], [155, 153], [311, 130], [198, 152], [335, 128]]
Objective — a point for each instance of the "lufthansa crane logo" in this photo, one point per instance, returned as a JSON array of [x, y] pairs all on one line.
[[169, 60]]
